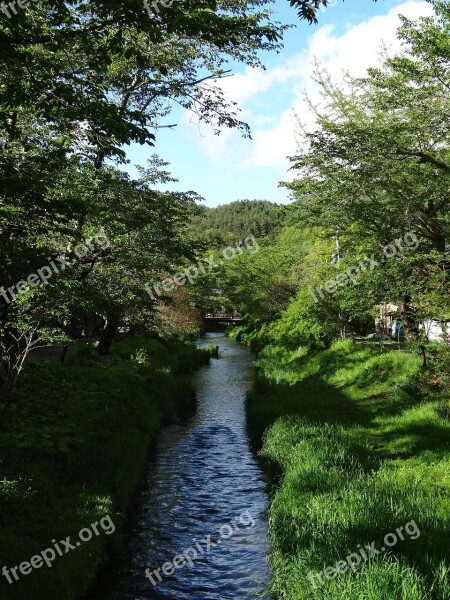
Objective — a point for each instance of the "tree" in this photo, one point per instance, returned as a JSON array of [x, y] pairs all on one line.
[[377, 164], [79, 81], [259, 284], [308, 9]]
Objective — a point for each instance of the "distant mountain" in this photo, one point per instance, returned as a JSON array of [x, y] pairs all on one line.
[[235, 221]]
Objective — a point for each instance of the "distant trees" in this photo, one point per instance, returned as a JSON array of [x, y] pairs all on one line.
[[371, 199], [235, 221]]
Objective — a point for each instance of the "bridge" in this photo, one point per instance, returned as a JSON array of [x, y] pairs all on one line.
[[222, 317]]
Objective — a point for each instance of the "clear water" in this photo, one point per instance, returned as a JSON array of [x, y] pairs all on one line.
[[203, 476]]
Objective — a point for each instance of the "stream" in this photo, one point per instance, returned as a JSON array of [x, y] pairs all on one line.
[[200, 530]]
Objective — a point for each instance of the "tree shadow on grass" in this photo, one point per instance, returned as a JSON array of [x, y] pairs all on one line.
[[312, 398], [322, 402], [412, 439]]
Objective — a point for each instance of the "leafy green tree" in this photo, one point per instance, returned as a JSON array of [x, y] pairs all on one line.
[[377, 164], [80, 80], [259, 284]]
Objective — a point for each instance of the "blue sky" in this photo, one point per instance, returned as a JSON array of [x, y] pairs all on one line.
[[226, 168]]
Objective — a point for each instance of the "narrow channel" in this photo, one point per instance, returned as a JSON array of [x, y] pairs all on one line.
[[203, 481]]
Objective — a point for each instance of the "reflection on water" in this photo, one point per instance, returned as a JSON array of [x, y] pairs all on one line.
[[203, 476]]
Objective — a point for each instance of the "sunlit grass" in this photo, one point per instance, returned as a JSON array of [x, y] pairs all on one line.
[[355, 451]]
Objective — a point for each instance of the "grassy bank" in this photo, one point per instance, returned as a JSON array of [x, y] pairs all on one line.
[[357, 443], [73, 446]]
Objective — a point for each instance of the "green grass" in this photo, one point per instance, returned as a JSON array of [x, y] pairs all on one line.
[[73, 446], [212, 350], [355, 448]]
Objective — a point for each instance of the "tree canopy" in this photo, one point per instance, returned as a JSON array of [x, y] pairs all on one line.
[[80, 81]]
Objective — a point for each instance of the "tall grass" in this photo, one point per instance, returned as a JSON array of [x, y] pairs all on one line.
[[355, 452]]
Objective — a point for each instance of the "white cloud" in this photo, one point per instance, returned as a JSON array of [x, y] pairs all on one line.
[[354, 50], [239, 88], [243, 86]]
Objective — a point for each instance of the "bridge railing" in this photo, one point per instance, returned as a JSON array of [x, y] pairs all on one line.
[[222, 315]]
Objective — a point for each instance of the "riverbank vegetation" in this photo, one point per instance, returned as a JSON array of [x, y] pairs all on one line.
[[355, 431], [357, 442], [74, 442]]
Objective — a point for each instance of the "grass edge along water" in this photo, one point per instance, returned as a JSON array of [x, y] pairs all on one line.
[[73, 447], [355, 448]]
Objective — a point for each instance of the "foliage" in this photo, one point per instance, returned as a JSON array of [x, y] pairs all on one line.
[[230, 223], [88, 426], [370, 199], [376, 167], [212, 350], [80, 81], [307, 9]]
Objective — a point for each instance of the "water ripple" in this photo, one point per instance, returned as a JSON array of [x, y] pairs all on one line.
[[203, 476]]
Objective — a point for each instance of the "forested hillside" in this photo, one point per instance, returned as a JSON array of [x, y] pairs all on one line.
[[235, 221]]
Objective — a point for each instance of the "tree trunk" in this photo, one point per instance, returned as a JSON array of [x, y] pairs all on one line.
[[9, 382], [108, 334], [10, 363], [64, 353], [15, 347], [423, 353]]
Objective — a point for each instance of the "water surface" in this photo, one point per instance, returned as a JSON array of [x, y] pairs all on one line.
[[203, 476]]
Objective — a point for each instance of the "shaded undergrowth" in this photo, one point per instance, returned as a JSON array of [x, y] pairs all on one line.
[[73, 446]]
